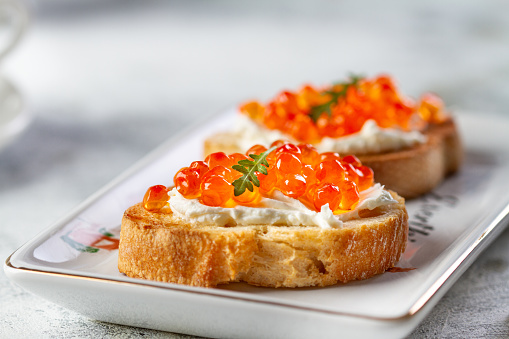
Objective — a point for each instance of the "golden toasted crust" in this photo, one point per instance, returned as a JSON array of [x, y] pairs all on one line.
[[452, 147], [410, 172], [417, 170], [161, 247]]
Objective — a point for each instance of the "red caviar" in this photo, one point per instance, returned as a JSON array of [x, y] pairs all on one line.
[[187, 182], [310, 155], [248, 197], [297, 171], [215, 191], [288, 163], [365, 180], [349, 194], [235, 158], [327, 193], [200, 166], [330, 171], [217, 159], [256, 149], [268, 181], [378, 98], [292, 185], [155, 198]]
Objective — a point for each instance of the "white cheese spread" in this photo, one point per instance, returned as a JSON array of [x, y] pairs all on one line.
[[370, 139], [279, 210]]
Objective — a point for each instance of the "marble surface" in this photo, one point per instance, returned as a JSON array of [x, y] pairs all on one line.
[[107, 81]]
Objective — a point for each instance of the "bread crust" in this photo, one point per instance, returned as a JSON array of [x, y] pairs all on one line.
[[410, 172], [162, 247]]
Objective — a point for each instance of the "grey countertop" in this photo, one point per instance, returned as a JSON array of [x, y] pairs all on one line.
[[107, 81]]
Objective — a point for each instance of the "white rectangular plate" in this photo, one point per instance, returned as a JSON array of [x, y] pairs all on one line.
[[74, 262]]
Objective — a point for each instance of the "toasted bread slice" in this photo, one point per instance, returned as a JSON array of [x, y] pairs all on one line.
[[162, 247], [410, 172]]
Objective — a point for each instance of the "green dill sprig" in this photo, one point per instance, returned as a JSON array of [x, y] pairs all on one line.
[[317, 111], [248, 169]]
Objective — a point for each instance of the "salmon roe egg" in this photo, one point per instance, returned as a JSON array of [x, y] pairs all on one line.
[[431, 108], [327, 193], [215, 191], [288, 163], [308, 96], [310, 155], [330, 171], [367, 178], [278, 143], [200, 166], [218, 171], [275, 116], [187, 182], [292, 185], [310, 192], [352, 173], [253, 109], [234, 159], [351, 159], [248, 197], [303, 129], [332, 127], [288, 148], [349, 195], [271, 158], [328, 156], [268, 181], [309, 174], [288, 100], [155, 198], [217, 159], [256, 149]]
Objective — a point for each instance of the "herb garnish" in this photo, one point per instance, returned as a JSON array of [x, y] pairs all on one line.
[[317, 111], [248, 169]]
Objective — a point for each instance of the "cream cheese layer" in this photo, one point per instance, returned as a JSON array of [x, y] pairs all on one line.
[[278, 210], [370, 139]]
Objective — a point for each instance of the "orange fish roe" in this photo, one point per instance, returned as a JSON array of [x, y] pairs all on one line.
[[431, 108], [155, 198], [299, 172], [187, 181], [311, 114]]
